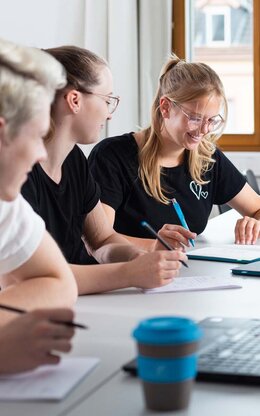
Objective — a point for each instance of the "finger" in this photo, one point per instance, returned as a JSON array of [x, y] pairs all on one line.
[[47, 330], [249, 232], [48, 346], [178, 246], [167, 269], [170, 236], [60, 330], [175, 255], [60, 314], [61, 345], [256, 231], [173, 237], [241, 224], [63, 332], [175, 245], [168, 277], [171, 265], [51, 359], [237, 239], [158, 282], [165, 282], [252, 231], [173, 228]]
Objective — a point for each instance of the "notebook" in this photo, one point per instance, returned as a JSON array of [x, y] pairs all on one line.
[[229, 351], [48, 382], [231, 253], [251, 269], [194, 283]]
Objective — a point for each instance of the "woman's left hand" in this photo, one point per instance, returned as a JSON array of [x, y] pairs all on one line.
[[175, 235], [247, 230]]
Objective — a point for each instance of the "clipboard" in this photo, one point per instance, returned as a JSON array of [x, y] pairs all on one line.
[[229, 253], [251, 269]]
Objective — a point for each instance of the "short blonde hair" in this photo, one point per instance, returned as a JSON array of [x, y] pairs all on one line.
[[26, 76]]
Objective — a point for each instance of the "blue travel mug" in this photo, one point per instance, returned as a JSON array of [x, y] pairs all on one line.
[[167, 360]]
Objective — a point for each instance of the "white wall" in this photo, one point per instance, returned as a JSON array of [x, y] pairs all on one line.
[[44, 24], [246, 160]]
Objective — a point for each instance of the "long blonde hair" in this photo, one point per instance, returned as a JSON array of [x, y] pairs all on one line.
[[181, 82]]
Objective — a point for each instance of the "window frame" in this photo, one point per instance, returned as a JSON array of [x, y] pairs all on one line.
[[224, 11], [229, 142]]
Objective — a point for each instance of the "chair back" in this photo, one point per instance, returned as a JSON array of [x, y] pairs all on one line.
[[251, 180]]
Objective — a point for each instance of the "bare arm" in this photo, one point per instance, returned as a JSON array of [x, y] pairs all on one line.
[[247, 203], [103, 242], [45, 280], [147, 271]]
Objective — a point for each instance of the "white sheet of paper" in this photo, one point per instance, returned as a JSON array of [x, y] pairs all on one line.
[[192, 283], [229, 251], [49, 382]]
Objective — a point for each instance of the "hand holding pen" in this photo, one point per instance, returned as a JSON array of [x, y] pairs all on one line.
[[34, 338], [159, 238]]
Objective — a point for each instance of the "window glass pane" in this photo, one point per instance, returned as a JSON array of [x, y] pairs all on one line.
[[222, 36], [218, 27]]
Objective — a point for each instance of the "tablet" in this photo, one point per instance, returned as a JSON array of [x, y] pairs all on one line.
[[251, 269]]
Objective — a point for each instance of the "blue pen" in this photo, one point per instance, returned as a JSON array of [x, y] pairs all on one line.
[[181, 217]]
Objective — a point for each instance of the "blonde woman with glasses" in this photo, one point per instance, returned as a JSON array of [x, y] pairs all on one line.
[[176, 158], [63, 192]]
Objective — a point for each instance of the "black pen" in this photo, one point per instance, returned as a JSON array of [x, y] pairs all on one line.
[[164, 243], [68, 323]]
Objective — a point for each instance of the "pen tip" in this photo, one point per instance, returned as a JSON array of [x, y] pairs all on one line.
[[144, 223]]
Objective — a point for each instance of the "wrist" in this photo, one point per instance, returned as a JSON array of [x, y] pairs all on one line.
[[127, 274]]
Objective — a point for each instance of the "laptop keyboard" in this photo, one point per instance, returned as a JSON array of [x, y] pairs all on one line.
[[229, 351], [232, 356]]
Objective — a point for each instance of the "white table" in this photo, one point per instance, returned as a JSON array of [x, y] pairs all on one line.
[[112, 317]]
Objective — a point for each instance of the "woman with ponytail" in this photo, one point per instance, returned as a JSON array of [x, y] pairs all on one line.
[[175, 157], [63, 192]]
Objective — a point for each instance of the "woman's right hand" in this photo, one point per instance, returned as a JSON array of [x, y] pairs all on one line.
[[175, 235], [154, 269], [30, 339]]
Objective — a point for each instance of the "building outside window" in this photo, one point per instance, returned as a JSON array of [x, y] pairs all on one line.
[[224, 34]]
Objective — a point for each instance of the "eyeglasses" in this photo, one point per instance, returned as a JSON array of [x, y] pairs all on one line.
[[195, 121], [112, 101]]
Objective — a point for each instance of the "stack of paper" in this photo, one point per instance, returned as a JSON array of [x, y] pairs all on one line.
[[183, 284], [49, 382]]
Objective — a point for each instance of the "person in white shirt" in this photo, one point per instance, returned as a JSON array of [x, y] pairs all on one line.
[[33, 271]]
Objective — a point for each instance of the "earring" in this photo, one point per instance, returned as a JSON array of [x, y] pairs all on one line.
[[76, 110]]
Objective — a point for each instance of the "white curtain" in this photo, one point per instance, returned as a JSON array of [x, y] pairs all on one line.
[[154, 48], [135, 37]]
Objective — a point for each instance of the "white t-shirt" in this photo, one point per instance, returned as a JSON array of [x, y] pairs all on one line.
[[21, 231]]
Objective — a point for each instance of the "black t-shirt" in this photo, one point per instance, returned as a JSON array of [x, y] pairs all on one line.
[[114, 164], [64, 206]]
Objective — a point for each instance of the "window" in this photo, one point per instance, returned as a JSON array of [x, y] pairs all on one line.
[[225, 35], [217, 27]]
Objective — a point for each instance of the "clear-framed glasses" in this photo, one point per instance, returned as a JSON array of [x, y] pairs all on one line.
[[111, 100], [195, 121]]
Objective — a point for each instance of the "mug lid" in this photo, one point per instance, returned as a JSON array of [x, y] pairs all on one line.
[[167, 330]]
